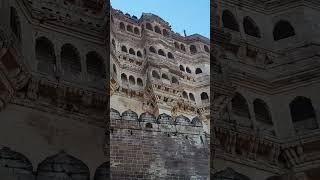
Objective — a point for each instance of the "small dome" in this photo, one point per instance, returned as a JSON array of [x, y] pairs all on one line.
[[129, 116], [114, 114], [165, 119], [64, 163], [12, 159], [147, 117], [182, 120], [103, 172]]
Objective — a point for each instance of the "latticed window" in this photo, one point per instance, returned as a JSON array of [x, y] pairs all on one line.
[[229, 21], [95, 66], [262, 112], [250, 27], [70, 60], [240, 106]]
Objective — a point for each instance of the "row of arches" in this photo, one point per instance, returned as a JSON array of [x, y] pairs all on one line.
[[131, 51], [156, 29], [188, 70], [281, 30], [161, 52], [163, 118], [156, 75], [132, 80], [203, 96], [301, 109], [193, 48], [129, 28], [70, 60], [59, 166]]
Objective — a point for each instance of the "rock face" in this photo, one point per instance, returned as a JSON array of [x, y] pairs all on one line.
[[159, 100]]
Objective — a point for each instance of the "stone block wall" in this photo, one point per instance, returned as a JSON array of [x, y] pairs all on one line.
[[157, 148]]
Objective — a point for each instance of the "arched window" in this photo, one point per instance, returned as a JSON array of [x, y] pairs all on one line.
[[129, 28], [114, 68], [193, 49], [131, 51], [191, 96], [170, 55], [155, 74], [160, 52], [124, 77], [182, 47], [139, 54], [95, 65], [302, 113], [45, 55], [157, 30], [165, 32], [152, 49], [176, 45], [184, 95], [124, 49], [70, 59], [181, 68], [282, 30], [174, 80], [188, 70], [198, 71], [204, 96], [262, 112], [206, 48], [250, 27], [132, 80], [122, 26], [15, 23], [229, 21], [149, 27], [139, 82], [240, 106], [136, 31], [164, 76]]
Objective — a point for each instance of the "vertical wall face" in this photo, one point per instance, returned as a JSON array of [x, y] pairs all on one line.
[[150, 149]]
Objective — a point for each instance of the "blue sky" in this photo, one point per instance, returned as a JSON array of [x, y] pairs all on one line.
[[190, 15]]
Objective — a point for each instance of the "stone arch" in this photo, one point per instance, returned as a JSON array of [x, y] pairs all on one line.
[[165, 32], [196, 121], [129, 115], [229, 173], [129, 28], [157, 30], [124, 77], [262, 112], [70, 59], [170, 55], [152, 49], [206, 48], [185, 95], [155, 74], [95, 65], [250, 27], [240, 106], [122, 26], [181, 68], [182, 47], [45, 55], [139, 54], [102, 172], [132, 52], [229, 21], [15, 161], [282, 30], [124, 49], [139, 82], [193, 49], [174, 80], [164, 76], [149, 26], [188, 70], [136, 31], [176, 45], [191, 96], [62, 165], [161, 52], [132, 81], [302, 114], [198, 71], [204, 96]]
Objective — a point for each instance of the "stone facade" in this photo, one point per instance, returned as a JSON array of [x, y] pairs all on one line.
[[159, 99], [53, 96], [266, 59]]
